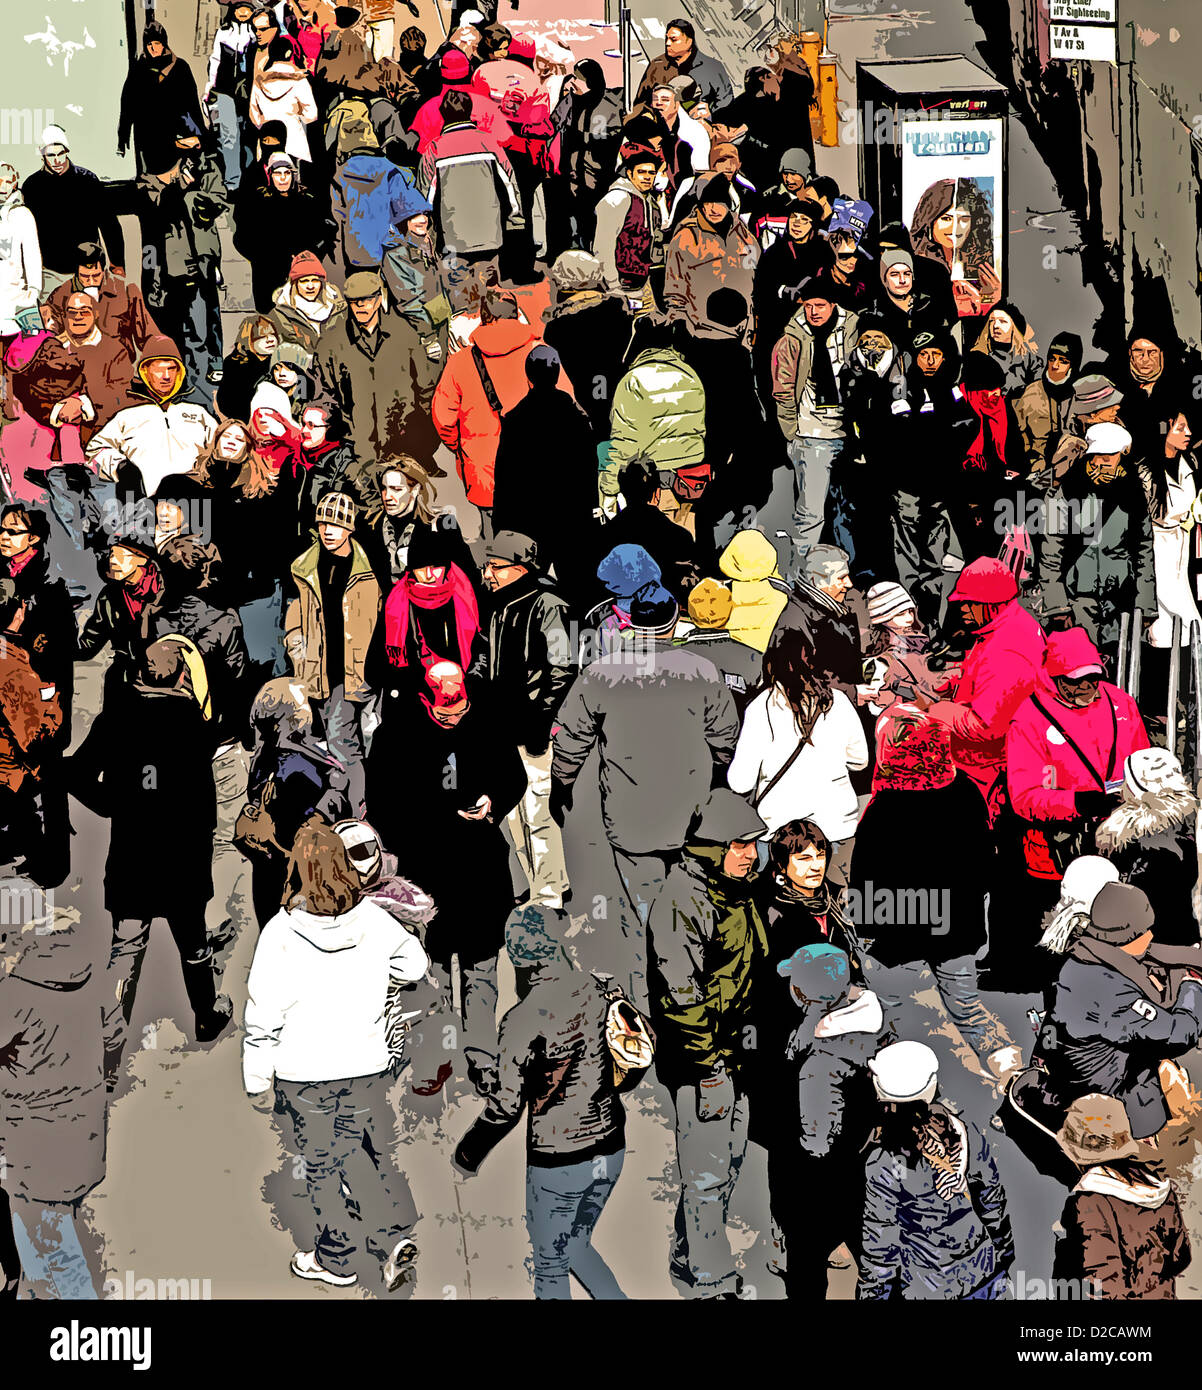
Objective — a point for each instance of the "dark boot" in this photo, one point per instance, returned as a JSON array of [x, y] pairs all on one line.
[[211, 1010]]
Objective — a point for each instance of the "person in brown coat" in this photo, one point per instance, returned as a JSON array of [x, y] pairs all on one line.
[[121, 311], [1124, 1237], [710, 250]]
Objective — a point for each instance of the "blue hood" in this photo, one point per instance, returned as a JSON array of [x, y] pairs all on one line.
[[626, 569]]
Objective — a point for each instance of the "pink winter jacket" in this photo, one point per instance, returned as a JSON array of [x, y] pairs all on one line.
[[1001, 670], [1042, 770]]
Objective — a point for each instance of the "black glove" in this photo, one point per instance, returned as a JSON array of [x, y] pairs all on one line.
[[560, 801], [1093, 805]]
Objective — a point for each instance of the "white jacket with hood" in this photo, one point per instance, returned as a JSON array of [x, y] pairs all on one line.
[[20, 261], [318, 991]]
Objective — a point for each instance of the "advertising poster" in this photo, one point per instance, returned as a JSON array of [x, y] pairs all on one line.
[[951, 201]]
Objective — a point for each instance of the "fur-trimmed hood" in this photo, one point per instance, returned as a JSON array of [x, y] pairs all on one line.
[[1153, 814]]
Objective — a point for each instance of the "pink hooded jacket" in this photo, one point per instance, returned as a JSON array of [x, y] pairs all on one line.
[[1043, 770], [999, 673]]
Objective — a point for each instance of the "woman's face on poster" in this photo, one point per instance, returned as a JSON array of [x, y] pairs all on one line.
[[951, 228]]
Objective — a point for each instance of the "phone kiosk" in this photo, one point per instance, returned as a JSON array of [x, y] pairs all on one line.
[[933, 155]]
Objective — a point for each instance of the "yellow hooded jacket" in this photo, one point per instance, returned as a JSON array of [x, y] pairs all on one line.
[[749, 561]]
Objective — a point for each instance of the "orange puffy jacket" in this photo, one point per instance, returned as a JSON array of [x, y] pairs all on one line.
[[465, 421]]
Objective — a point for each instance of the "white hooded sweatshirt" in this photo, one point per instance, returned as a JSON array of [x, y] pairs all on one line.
[[318, 993], [20, 261]]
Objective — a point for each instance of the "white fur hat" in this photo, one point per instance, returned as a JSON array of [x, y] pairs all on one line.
[[1151, 770], [1083, 880], [905, 1071]]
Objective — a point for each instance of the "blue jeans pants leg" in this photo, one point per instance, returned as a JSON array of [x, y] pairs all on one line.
[[563, 1206], [52, 1257]]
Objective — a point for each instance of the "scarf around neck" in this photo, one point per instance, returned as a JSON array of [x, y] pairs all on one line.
[[992, 415], [822, 370], [455, 588]]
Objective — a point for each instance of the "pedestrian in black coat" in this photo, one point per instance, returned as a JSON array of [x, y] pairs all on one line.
[[70, 206], [275, 221], [546, 474], [162, 806], [159, 91], [590, 329], [442, 775]]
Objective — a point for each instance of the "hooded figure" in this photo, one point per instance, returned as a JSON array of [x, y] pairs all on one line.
[[1006, 338], [622, 573], [1150, 837], [590, 329], [705, 256], [20, 254], [160, 433], [274, 224], [590, 131], [749, 562]]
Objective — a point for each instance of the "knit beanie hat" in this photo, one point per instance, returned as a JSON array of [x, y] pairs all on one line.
[[710, 605], [886, 600], [305, 263], [895, 257], [1121, 912]]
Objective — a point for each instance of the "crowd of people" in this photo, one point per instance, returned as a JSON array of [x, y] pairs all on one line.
[[786, 535]]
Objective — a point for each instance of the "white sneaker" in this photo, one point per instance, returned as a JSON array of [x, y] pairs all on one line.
[[399, 1262], [304, 1265]]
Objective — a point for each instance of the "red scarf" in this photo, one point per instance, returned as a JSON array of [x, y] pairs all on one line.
[[993, 413], [455, 587], [142, 592]]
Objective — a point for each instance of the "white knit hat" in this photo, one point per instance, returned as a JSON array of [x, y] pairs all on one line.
[[905, 1071], [1083, 880], [53, 135], [1150, 771], [886, 600]]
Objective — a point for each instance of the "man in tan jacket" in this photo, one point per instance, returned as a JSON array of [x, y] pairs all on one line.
[[339, 609]]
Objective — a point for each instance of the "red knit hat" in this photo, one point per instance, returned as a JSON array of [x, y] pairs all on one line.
[[1072, 654], [454, 66], [985, 581], [445, 681], [522, 46], [305, 263]]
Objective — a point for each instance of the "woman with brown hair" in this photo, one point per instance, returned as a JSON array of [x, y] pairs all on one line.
[[247, 364], [399, 502], [316, 1032], [953, 224]]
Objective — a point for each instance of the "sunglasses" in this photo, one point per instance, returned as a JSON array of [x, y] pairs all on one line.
[[12, 531]]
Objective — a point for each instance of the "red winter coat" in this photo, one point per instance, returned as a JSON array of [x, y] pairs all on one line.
[[1042, 770], [998, 674], [465, 421]]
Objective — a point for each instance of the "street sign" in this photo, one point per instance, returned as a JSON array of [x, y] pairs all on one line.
[[1088, 43], [1082, 11]]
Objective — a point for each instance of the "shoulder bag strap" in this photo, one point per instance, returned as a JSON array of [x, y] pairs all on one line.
[[490, 391], [1071, 741]]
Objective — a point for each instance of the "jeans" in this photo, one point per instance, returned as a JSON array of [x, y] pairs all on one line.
[[478, 1001], [231, 769], [52, 1258], [229, 138], [642, 880], [343, 732], [812, 461], [710, 1154], [131, 935], [536, 838], [262, 626], [343, 1133], [956, 981], [563, 1206], [921, 537], [192, 314]]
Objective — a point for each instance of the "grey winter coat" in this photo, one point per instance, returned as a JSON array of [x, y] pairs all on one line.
[[1095, 561], [53, 1116], [663, 719], [919, 1245]]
